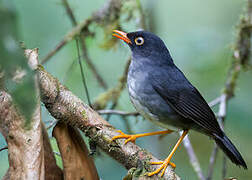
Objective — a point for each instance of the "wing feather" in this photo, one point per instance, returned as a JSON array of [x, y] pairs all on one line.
[[185, 99]]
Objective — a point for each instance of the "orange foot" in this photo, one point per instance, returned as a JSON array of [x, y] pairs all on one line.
[[166, 162], [133, 138], [128, 137], [163, 167]]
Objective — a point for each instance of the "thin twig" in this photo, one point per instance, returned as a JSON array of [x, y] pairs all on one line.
[[212, 162], [69, 12], [67, 38], [214, 102], [83, 45], [220, 117], [192, 156], [99, 78], [224, 167], [82, 73], [69, 70], [222, 110], [117, 112], [112, 107]]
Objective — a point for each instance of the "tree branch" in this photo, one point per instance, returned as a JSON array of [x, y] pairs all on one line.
[[63, 105], [25, 144], [117, 112]]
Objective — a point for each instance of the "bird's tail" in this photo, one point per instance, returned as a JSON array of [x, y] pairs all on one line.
[[230, 150]]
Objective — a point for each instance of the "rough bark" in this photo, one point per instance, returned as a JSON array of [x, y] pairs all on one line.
[[25, 144], [65, 106]]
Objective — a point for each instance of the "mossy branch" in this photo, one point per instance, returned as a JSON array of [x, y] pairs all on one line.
[[65, 106]]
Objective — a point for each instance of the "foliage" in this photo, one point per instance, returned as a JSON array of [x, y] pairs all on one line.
[[18, 77]]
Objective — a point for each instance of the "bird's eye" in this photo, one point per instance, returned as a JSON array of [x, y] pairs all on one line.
[[139, 41]]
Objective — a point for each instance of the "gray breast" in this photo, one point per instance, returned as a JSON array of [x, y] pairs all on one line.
[[147, 102]]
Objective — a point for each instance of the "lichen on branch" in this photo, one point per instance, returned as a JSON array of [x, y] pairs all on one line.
[[65, 106]]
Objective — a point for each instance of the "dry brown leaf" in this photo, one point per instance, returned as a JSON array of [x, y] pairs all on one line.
[[52, 171], [76, 162]]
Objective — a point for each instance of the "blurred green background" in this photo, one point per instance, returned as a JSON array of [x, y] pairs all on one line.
[[199, 35]]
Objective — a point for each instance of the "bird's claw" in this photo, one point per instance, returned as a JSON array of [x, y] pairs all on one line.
[[163, 167], [161, 162], [131, 138]]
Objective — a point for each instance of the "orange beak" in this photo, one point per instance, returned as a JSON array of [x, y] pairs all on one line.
[[121, 35]]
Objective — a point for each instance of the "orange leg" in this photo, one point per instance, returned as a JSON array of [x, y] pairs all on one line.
[[132, 138], [165, 163]]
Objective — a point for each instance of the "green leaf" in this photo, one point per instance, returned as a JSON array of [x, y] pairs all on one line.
[[11, 59]]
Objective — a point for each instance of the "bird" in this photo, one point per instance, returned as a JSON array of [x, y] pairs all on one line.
[[161, 93]]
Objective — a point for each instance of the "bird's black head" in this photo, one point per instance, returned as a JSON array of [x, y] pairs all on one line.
[[145, 45]]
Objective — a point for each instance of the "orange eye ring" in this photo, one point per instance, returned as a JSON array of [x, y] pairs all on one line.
[[139, 41]]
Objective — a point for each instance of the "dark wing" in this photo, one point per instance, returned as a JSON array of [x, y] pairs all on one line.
[[186, 100]]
